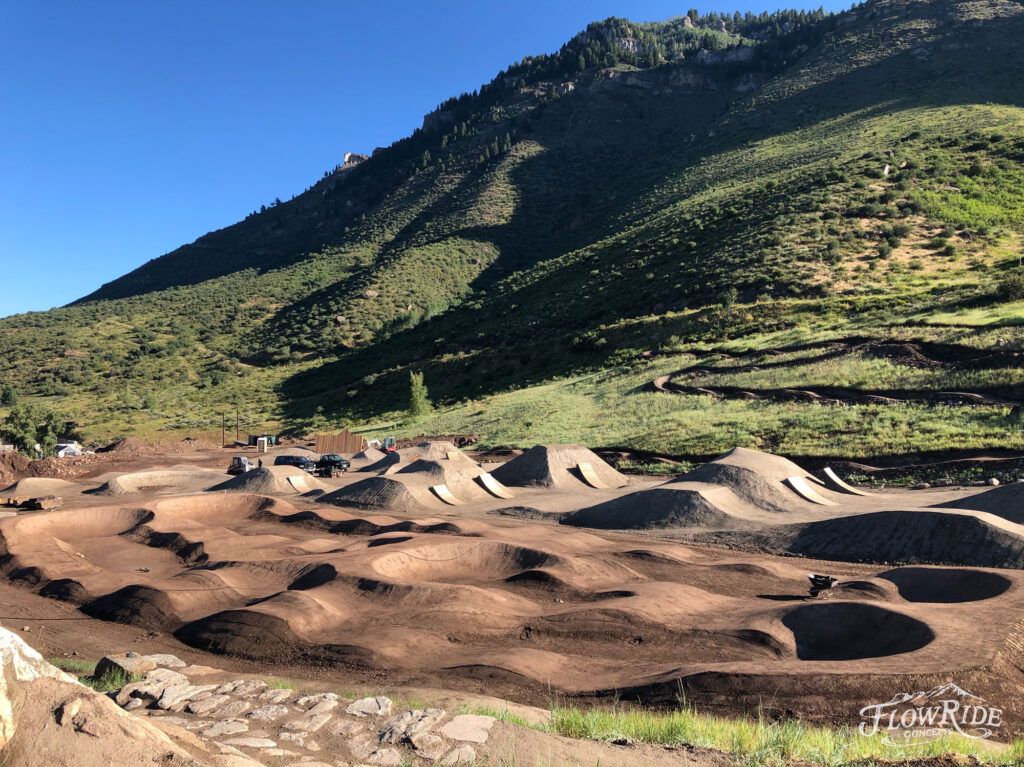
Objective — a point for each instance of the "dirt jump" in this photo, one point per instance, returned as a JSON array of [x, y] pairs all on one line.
[[272, 480], [558, 466]]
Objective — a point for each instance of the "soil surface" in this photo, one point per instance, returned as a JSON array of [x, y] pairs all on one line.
[[495, 598]]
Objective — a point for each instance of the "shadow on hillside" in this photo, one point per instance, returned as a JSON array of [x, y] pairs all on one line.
[[525, 356]]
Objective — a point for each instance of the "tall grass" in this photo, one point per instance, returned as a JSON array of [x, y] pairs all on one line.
[[760, 741]]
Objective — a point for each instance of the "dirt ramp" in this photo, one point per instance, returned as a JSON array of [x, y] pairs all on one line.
[[944, 585], [370, 455], [457, 476], [854, 631], [383, 494], [1006, 501], [659, 508], [556, 466], [757, 478], [936, 538], [271, 480]]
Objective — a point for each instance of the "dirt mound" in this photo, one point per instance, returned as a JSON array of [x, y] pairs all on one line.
[[37, 486], [271, 480], [383, 493], [458, 476], [126, 446], [1006, 501], [371, 454], [970, 539], [187, 445], [756, 478], [660, 508], [435, 451], [158, 481], [386, 461], [854, 630], [946, 585], [13, 466], [555, 466]]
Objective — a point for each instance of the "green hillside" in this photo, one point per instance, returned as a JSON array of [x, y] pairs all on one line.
[[758, 202]]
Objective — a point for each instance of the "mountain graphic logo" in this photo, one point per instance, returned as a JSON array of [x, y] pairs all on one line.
[[913, 718]]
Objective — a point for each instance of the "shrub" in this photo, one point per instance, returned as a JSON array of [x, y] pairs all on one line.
[[1011, 287]]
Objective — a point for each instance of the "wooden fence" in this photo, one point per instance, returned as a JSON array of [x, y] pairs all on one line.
[[341, 443]]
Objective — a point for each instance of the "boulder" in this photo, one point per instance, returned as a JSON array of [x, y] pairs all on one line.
[[405, 725], [428, 745], [463, 755], [379, 706], [128, 665], [165, 660], [469, 727]]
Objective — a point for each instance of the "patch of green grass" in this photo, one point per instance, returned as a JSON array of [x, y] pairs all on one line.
[[501, 714], [73, 665], [759, 741], [112, 680], [276, 683]]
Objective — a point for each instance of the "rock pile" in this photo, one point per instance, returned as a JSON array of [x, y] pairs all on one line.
[[283, 726]]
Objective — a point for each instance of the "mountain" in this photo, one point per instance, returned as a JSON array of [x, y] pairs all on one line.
[[789, 189]]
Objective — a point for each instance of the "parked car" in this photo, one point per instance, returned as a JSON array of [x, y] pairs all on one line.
[[331, 465], [300, 461], [241, 464]]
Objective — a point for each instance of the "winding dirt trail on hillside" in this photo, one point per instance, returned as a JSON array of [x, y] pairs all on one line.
[[919, 355]]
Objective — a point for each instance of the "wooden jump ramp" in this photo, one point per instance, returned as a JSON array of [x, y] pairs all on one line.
[[442, 492], [586, 470], [832, 479], [494, 487], [803, 488]]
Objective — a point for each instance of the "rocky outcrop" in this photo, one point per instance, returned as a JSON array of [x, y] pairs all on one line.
[[48, 718], [727, 56]]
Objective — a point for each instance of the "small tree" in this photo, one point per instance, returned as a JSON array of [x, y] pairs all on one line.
[[419, 403], [28, 424], [8, 395]]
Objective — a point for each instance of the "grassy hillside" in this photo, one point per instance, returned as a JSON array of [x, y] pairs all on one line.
[[800, 184]]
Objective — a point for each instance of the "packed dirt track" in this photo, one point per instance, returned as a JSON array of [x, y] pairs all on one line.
[[642, 589]]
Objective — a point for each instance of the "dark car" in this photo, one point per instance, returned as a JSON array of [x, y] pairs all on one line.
[[300, 461], [331, 464]]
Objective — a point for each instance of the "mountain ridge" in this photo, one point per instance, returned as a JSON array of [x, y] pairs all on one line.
[[563, 219]]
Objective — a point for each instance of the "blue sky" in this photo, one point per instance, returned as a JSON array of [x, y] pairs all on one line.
[[130, 128]]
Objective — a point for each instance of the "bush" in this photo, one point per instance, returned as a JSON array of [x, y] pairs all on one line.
[[1011, 287]]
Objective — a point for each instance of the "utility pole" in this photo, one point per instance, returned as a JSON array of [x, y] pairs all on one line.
[[236, 424], [223, 427]]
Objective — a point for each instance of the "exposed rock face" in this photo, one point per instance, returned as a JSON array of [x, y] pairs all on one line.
[[21, 665], [728, 56]]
